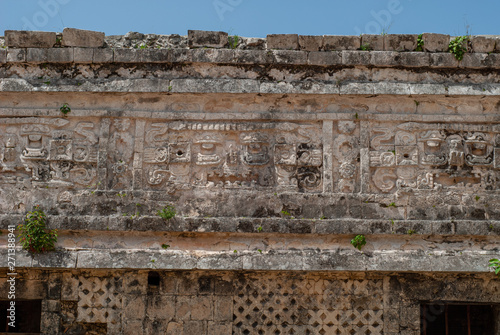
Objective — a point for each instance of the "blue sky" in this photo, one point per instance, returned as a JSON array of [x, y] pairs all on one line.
[[254, 18]]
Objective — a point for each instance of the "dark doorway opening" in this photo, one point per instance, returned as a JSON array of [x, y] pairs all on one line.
[[457, 319], [153, 279], [28, 314]]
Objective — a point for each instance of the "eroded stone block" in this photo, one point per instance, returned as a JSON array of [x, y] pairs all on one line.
[[400, 42], [334, 42], [283, 41], [209, 39], [29, 39], [372, 42], [82, 38], [436, 42], [483, 43], [310, 43]]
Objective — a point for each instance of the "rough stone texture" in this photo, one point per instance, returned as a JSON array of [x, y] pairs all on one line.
[[208, 302], [3, 56], [394, 42], [274, 160], [483, 43], [310, 43], [436, 42], [283, 41], [333, 42], [82, 38], [29, 39], [372, 42], [211, 39]]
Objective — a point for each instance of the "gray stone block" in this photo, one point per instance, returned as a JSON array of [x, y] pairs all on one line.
[[356, 58], [289, 57], [283, 41], [83, 55], [334, 42], [310, 43], [436, 42], [127, 56], [213, 56], [60, 55], [443, 60], [29, 39], [400, 42], [154, 55], [492, 60], [180, 56], [325, 58], [3, 56], [414, 59], [473, 60], [37, 55], [385, 58], [16, 55], [483, 43], [103, 56], [372, 42], [210, 39], [82, 38], [251, 57]]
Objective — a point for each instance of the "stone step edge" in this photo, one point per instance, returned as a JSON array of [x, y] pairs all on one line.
[[265, 225], [253, 260], [247, 86], [252, 117], [248, 57]]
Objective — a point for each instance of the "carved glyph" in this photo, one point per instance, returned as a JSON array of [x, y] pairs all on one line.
[[433, 156]]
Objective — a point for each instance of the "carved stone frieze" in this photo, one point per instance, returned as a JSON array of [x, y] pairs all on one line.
[[433, 156]]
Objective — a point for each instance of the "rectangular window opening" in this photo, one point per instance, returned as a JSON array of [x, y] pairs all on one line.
[[458, 319], [28, 314]]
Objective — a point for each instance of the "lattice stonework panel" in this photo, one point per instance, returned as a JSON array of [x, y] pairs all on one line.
[[99, 301], [273, 305]]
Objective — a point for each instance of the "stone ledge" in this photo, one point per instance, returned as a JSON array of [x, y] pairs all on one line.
[[266, 225], [79, 55], [289, 260], [242, 86], [344, 115], [218, 39]]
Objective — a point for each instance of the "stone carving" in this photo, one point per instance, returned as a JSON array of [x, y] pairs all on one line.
[[434, 156], [53, 156], [169, 156], [384, 179], [99, 300], [232, 155], [346, 154], [309, 306]]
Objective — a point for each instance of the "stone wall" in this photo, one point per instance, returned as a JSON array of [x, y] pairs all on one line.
[[275, 154], [219, 303]]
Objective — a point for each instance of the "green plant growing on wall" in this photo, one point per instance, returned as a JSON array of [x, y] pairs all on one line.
[[365, 47], [233, 41], [459, 46], [495, 264], [358, 242], [33, 236], [420, 43], [167, 212], [165, 246]]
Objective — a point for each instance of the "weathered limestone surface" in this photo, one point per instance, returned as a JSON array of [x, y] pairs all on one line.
[[222, 302], [82, 38], [29, 39], [274, 159]]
